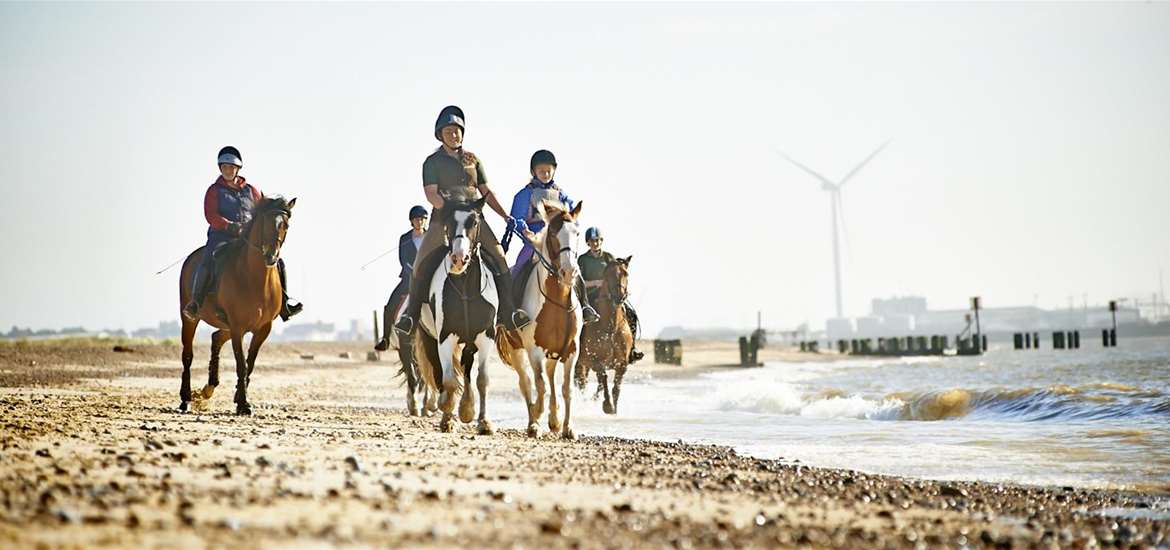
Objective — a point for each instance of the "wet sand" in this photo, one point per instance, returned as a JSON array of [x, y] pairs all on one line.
[[93, 455]]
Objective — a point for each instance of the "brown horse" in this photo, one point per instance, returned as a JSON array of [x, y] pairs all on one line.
[[248, 296], [554, 336], [606, 344]]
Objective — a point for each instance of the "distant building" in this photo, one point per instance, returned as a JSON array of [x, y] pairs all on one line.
[[309, 332]]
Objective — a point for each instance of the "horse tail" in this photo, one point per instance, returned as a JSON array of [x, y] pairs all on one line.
[[508, 342], [426, 355]]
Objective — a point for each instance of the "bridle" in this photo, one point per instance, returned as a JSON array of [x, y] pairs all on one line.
[[263, 249]]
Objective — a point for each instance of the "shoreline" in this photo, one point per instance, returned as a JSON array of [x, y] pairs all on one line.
[[102, 461]]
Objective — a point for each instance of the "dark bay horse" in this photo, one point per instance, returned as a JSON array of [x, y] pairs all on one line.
[[606, 344], [248, 295]]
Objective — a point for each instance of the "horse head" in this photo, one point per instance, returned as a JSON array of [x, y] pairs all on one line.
[[561, 241], [617, 278], [269, 226], [461, 225]]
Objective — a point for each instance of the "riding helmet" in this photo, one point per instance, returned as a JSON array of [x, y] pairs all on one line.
[[417, 211], [592, 234], [230, 155], [543, 156], [450, 115]]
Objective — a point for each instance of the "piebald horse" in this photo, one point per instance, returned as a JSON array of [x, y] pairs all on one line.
[[457, 325], [248, 294], [606, 344], [554, 337]]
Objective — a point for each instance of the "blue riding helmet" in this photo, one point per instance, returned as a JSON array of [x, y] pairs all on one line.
[[592, 234], [417, 211]]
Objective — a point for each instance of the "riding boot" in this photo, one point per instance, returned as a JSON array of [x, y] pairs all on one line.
[[508, 315], [588, 314], [424, 269], [632, 317], [387, 328], [287, 309], [198, 293]]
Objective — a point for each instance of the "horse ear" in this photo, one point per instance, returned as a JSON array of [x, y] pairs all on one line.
[[478, 205], [292, 203], [627, 260], [577, 209]]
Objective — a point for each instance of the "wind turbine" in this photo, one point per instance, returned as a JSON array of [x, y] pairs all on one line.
[[838, 211]]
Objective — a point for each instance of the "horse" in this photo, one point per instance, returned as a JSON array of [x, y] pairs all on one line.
[[248, 295], [408, 370], [556, 333], [606, 344], [457, 328]]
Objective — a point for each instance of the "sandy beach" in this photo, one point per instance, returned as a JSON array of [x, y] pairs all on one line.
[[93, 454]]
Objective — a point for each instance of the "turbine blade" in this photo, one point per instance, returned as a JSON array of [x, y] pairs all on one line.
[[864, 162], [807, 170]]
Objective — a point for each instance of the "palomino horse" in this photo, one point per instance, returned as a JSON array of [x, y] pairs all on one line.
[[457, 325], [556, 333], [606, 344], [248, 294]]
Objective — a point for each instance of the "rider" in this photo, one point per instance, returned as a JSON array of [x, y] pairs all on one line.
[[524, 210], [454, 173], [228, 205], [593, 263], [408, 245]]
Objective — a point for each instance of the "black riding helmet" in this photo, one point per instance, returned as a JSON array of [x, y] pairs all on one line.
[[450, 115], [417, 211], [230, 155], [543, 156]]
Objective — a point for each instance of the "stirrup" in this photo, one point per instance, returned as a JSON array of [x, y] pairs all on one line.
[[589, 315], [191, 311], [404, 325], [289, 309], [383, 344], [519, 319]]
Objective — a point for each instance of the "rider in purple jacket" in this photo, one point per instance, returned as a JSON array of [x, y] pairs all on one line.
[[542, 165]]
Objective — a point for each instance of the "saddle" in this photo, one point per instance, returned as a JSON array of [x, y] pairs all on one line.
[[522, 280], [219, 261]]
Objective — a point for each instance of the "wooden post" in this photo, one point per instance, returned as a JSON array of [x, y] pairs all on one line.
[[377, 337]]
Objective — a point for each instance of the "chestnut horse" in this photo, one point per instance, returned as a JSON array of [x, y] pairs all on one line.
[[606, 344], [555, 334], [248, 295]]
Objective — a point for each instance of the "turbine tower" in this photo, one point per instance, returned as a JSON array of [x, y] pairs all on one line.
[[838, 212]]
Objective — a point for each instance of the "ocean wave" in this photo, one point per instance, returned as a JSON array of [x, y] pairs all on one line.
[[1062, 403]]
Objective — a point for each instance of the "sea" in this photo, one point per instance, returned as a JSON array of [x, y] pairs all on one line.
[[1092, 417]]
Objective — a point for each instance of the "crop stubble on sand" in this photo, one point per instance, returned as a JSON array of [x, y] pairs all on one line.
[[100, 459]]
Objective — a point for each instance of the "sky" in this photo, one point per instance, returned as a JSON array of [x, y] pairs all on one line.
[[1028, 160]]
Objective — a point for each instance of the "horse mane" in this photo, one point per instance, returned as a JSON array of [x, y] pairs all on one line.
[[267, 205]]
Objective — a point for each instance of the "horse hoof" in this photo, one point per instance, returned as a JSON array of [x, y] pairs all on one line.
[[467, 413], [608, 408], [207, 391], [569, 434], [445, 425], [486, 428], [185, 406], [412, 410], [533, 430], [554, 427], [244, 409]]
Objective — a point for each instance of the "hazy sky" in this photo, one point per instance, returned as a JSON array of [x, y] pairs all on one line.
[[1029, 159]]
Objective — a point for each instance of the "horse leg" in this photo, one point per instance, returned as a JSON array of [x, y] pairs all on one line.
[[536, 361], [617, 380], [450, 383], [467, 402], [408, 371], [550, 369], [481, 381], [603, 385], [218, 338], [567, 395], [188, 337], [241, 399], [526, 390], [258, 337]]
